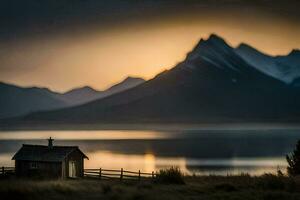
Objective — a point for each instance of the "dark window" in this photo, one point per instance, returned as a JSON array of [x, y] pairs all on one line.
[[33, 165]]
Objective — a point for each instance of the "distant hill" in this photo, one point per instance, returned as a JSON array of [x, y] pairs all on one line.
[[86, 94], [213, 84], [80, 95], [16, 101]]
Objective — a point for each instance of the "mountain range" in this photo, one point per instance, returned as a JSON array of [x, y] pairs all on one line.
[[16, 101], [86, 94], [215, 83]]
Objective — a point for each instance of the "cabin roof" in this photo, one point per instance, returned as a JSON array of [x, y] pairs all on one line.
[[45, 153]]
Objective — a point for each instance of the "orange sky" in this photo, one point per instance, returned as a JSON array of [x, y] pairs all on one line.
[[101, 57]]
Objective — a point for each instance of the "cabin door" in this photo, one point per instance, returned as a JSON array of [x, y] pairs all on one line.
[[72, 169]]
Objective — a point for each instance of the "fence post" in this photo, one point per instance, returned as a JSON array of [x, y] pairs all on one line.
[[100, 173], [121, 176], [152, 174], [139, 175]]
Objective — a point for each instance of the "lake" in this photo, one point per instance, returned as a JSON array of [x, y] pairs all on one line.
[[218, 152]]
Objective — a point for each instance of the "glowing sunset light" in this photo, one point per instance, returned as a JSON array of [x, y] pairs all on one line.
[[100, 56]]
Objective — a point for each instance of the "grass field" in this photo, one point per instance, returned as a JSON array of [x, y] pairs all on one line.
[[242, 187]]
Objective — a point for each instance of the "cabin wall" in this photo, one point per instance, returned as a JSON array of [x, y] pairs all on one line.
[[79, 163], [63, 169], [38, 169]]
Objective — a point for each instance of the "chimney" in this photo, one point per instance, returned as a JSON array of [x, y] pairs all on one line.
[[50, 143]]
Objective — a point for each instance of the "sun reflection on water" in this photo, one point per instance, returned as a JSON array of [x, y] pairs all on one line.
[[149, 162], [146, 163]]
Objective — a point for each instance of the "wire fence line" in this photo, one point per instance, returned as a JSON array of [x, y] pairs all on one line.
[[101, 173], [7, 170], [118, 174]]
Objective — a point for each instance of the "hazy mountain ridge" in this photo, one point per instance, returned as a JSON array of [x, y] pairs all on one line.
[[86, 94], [213, 84], [16, 101]]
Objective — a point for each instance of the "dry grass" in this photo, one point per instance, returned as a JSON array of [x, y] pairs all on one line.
[[241, 187], [172, 175]]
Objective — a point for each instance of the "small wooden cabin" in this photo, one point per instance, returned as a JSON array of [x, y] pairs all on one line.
[[49, 161]]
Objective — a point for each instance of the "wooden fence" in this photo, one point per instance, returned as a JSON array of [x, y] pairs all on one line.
[[118, 174], [101, 174], [7, 170]]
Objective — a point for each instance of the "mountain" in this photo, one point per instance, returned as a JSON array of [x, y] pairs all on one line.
[[213, 84], [126, 84], [285, 68], [80, 95], [86, 94], [15, 101]]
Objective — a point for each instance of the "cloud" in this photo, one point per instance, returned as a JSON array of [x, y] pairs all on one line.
[[21, 18]]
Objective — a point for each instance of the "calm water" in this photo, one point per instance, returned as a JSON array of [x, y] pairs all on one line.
[[199, 152]]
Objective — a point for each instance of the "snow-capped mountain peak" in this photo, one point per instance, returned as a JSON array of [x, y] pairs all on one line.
[[284, 68]]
